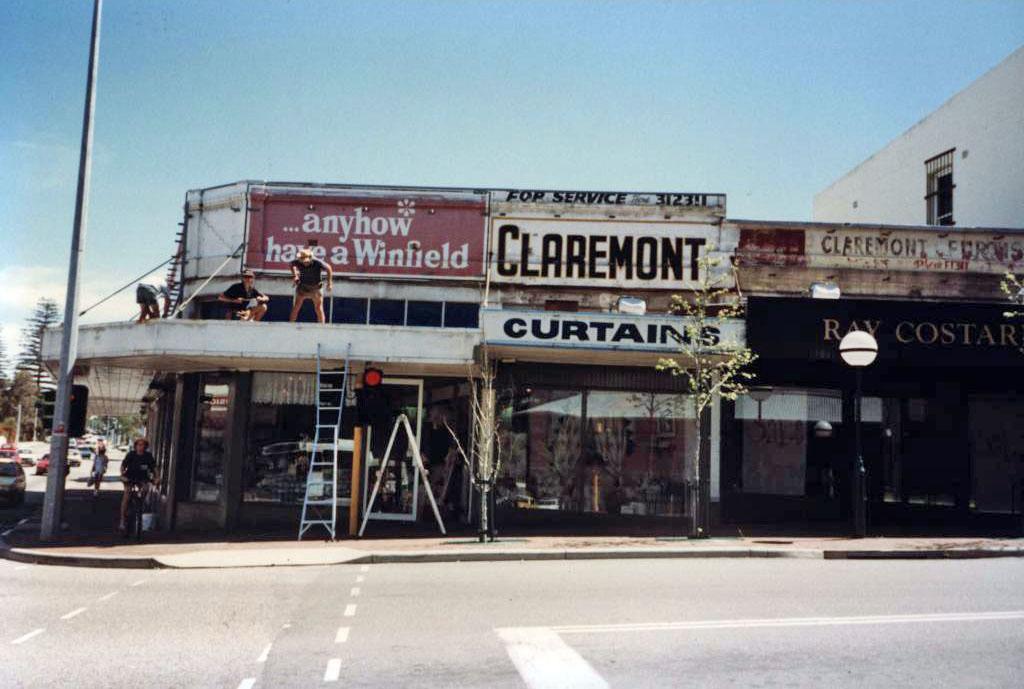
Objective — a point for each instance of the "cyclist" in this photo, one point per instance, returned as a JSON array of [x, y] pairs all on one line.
[[137, 468]]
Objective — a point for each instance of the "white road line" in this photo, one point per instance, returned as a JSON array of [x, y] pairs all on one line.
[[342, 635], [286, 625], [18, 569], [333, 671], [354, 592], [350, 610], [108, 596], [140, 582], [364, 568], [247, 683], [265, 654], [71, 614], [26, 637], [360, 579], [544, 661], [790, 622]]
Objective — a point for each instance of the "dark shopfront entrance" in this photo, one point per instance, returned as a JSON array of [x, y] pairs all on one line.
[[943, 419]]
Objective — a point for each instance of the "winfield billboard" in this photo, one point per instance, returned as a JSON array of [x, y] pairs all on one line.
[[392, 233]]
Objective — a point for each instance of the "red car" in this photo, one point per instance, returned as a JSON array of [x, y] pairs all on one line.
[[44, 464]]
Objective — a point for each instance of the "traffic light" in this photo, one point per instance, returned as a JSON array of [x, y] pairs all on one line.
[[77, 413], [372, 406]]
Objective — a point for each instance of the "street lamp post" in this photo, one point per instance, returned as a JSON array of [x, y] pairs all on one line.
[[859, 350]]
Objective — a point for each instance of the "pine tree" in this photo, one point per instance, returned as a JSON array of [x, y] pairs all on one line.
[[5, 365], [31, 358]]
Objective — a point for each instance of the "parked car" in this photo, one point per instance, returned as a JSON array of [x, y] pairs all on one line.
[[43, 465], [12, 481], [28, 456], [84, 451]]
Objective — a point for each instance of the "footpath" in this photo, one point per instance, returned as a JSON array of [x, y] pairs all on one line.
[[92, 543]]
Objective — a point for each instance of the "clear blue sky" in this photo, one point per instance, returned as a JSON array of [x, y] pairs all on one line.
[[766, 101]]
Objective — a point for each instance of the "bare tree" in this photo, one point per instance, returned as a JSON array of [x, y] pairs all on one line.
[[712, 366], [483, 457]]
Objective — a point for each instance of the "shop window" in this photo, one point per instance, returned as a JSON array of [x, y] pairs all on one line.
[[281, 419], [595, 451], [387, 312], [425, 313], [461, 314], [211, 440], [996, 431], [349, 310], [939, 190]]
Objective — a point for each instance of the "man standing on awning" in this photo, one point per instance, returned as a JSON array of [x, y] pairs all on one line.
[[307, 273]]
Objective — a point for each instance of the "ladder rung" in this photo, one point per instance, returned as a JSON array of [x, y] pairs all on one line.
[[311, 522], [332, 373], [328, 501], [330, 408]]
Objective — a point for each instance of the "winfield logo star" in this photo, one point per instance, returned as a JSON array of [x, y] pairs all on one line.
[[406, 208]]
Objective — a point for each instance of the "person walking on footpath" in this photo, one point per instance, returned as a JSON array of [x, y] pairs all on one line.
[[137, 467], [307, 274], [99, 467], [245, 302]]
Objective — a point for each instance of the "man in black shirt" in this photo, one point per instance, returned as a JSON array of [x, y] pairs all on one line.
[[245, 302], [137, 467], [307, 273]]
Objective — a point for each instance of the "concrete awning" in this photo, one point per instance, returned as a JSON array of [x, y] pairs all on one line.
[[184, 346]]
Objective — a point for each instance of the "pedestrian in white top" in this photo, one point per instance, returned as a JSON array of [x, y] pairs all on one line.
[[99, 467]]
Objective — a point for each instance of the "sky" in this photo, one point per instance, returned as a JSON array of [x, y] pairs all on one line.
[[768, 102]]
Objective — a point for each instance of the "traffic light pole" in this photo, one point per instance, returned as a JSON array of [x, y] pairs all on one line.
[[54, 499]]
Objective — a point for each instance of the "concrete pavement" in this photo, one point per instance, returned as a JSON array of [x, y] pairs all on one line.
[[21, 545]]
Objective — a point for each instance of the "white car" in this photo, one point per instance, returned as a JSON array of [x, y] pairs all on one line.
[[74, 457]]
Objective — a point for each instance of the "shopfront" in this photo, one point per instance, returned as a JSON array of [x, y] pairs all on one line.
[[943, 415]]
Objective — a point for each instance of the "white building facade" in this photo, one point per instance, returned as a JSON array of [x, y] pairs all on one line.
[[961, 165]]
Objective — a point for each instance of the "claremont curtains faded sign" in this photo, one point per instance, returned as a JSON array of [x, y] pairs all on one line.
[[370, 233]]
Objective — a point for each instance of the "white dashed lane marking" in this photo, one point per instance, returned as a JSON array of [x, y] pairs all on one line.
[[360, 579], [108, 596], [342, 635], [247, 683], [71, 614], [333, 671], [22, 639], [364, 568], [350, 610], [140, 582], [266, 653], [354, 592]]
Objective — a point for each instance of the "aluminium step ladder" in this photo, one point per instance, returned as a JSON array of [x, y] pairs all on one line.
[[320, 503]]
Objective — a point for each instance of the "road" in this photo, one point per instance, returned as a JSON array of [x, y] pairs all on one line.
[[35, 485], [592, 624]]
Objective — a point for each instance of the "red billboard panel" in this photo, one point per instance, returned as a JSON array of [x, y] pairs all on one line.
[[370, 233]]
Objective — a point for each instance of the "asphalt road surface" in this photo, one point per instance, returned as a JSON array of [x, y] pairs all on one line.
[[595, 624], [35, 485]]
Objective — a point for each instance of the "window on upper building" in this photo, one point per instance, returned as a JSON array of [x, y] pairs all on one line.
[[939, 191]]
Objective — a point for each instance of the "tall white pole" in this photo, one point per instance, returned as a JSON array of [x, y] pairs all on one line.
[[17, 429], [53, 502]]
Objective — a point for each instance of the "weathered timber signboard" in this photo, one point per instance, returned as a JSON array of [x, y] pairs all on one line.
[[621, 240], [942, 250], [394, 233]]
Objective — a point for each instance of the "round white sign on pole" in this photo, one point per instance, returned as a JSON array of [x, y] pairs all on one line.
[[858, 348]]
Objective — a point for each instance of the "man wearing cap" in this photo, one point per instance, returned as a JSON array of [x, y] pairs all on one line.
[[245, 302], [307, 274]]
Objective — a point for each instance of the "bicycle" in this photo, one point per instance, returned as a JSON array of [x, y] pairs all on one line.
[[136, 503]]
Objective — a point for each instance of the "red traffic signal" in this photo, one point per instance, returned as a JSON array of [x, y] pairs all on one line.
[[372, 377]]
